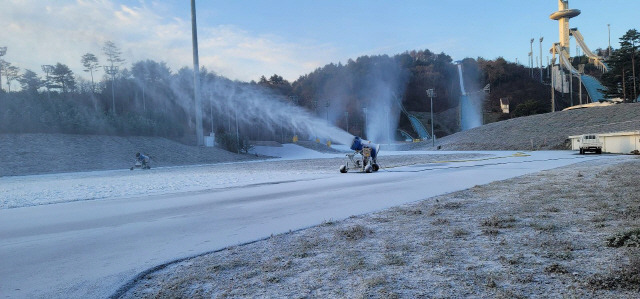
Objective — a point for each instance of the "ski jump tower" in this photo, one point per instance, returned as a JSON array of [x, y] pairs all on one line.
[[558, 80], [562, 16]]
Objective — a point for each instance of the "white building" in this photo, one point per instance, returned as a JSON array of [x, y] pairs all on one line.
[[617, 143]]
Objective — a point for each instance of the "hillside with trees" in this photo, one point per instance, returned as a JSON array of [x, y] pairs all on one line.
[[147, 98]]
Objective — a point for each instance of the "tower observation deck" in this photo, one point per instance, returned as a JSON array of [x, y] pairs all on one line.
[[562, 16], [561, 48]]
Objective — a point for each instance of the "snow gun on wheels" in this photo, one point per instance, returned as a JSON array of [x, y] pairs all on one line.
[[364, 156]]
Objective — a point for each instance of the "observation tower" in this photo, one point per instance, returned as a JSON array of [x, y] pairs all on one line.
[[562, 16], [562, 48]]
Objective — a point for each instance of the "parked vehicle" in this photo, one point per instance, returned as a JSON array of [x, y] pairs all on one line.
[[590, 143]]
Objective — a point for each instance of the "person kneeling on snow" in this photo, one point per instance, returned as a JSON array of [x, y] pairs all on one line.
[[143, 160]]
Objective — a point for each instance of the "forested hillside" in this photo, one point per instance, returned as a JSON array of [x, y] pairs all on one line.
[[148, 98]]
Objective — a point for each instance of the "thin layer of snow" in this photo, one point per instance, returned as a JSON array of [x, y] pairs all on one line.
[[290, 151], [89, 248], [22, 191]]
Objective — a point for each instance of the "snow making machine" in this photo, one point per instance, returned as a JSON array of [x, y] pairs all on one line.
[[364, 157]]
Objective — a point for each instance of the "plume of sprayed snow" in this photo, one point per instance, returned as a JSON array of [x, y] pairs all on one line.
[[385, 81], [253, 107], [383, 113], [470, 105]]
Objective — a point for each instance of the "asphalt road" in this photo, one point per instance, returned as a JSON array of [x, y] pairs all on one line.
[[90, 249]]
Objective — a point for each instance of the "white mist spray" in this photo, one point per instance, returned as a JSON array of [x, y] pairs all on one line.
[[470, 105], [255, 108], [385, 80]]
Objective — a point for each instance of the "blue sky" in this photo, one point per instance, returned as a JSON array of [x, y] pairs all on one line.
[[247, 39]]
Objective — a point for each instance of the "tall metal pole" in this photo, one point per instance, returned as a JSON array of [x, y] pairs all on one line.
[[553, 80], [196, 75], [609, 29], [531, 58], [431, 93], [571, 87], [541, 38], [581, 71], [433, 140], [237, 131], [113, 89], [211, 106], [633, 68]]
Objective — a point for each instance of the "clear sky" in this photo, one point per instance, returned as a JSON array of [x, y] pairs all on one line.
[[245, 39]]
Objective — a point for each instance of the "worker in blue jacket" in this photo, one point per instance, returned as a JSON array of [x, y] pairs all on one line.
[[143, 160]]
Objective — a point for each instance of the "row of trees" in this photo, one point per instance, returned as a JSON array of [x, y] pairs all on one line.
[[148, 98], [59, 76], [622, 80]]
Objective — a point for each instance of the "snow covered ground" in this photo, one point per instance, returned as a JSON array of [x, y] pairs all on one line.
[[541, 235], [81, 235], [21, 191]]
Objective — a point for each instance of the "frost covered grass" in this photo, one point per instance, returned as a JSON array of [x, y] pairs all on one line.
[[539, 235]]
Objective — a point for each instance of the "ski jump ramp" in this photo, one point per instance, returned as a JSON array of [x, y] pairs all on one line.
[[416, 124], [592, 85], [593, 58]]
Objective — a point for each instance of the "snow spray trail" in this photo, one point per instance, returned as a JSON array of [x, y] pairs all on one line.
[[254, 108], [385, 81], [470, 110]]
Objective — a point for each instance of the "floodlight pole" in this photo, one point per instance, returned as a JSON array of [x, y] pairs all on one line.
[[541, 38], [196, 75], [609, 28], [431, 93], [531, 58]]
